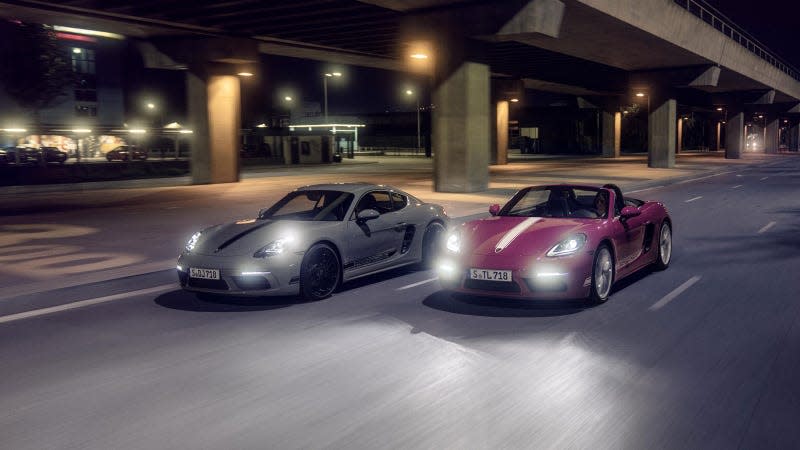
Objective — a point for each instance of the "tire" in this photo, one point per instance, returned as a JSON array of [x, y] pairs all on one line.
[[602, 275], [431, 244], [664, 255], [320, 272]]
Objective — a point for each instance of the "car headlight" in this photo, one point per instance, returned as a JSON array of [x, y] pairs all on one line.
[[193, 241], [568, 246], [454, 242], [274, 248]]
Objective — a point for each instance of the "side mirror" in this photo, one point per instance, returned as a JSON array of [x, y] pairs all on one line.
[[494, 209], [367, 214], [630, 211]]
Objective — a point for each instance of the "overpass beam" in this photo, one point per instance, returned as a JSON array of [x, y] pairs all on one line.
[[734, 136], [662, 135], [612, 133]]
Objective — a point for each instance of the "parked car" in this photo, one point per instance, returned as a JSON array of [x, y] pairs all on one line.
[[557, 242], [126, 153], [53, 154], [312, 240], [27, 155]]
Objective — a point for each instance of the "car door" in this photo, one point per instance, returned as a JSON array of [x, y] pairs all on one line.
[[372, 244], [630, 239]]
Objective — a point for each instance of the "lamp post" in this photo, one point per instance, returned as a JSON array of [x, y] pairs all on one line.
[[419, 136], [325, 89]]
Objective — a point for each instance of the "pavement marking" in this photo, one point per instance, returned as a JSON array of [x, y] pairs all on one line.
[[693, 199], [417, 284], [763, 179], [672, 295], [737, 186], [766, 227], [739, 175], [646, 189], [708, 176], [82, 303]]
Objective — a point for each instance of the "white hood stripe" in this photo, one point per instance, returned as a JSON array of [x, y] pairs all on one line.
[[514, 232]]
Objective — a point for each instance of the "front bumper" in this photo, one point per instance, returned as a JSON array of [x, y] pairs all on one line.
[[567, 277], [242, 276]]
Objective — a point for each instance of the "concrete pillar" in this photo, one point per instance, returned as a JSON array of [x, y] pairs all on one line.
[[679, 141], [214, 103], [461, 129], [734, 136], [794, 137], [612, 134], [719, 136], [661, 133], [772, 136], [500, 134]]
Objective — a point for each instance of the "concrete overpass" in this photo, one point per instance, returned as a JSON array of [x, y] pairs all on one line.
[[479, 54]]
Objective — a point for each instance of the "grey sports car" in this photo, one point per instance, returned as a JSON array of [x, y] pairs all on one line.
[[313, 239]]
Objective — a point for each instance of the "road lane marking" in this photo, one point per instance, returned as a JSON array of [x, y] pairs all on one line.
[[82, 303], [763, 178], [417, 284], [693, 199], [672, 295], [645, 189], [737, 186], [709, 176], [739, 175], [766, 227]]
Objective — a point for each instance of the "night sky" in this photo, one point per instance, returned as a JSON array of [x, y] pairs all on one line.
[[774, 23]]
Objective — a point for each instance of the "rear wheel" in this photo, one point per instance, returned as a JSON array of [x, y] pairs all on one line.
[[602, 275], [319, 272], [664, 247], [431, 244]]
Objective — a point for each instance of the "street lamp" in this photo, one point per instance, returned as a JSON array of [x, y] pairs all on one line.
[[419, 135], [325, 89]]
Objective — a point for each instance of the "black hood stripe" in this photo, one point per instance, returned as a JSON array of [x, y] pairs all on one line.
[[238, 236]]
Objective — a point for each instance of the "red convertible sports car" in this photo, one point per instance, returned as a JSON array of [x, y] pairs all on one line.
[[554, 242]]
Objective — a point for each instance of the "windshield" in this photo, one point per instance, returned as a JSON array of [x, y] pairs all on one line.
[[559, 201], [314, 205]]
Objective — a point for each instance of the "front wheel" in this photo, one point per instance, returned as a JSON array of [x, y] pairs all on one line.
[[319, 272], [431, 244], [664, 247], [602, 275]]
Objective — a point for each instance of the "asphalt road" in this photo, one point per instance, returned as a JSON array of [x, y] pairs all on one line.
[[702, 355]]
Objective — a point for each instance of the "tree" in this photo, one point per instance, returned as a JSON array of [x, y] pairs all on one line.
[[36, 71]]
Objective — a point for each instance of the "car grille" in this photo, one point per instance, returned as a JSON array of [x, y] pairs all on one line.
[[487, 285], [219, 285]]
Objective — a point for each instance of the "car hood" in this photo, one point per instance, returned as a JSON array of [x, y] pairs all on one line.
[[515, 236], [245, 237]]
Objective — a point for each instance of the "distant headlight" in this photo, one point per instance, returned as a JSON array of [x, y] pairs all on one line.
[[454, 242], [568, 246], [274, 248], [193, 241]]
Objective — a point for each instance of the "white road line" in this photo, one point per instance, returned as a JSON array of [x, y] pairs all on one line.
[[739, 175], [737, 186], [672, 295], [693, 199], [82, 303], [763, 179], [766, 227], [645, 189], [708, 176], [417, 284]]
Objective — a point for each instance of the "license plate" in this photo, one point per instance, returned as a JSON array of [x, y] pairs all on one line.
[[206, 274], [489, 274]]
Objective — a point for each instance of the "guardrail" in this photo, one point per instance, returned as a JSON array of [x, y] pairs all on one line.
[[711, 16]]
